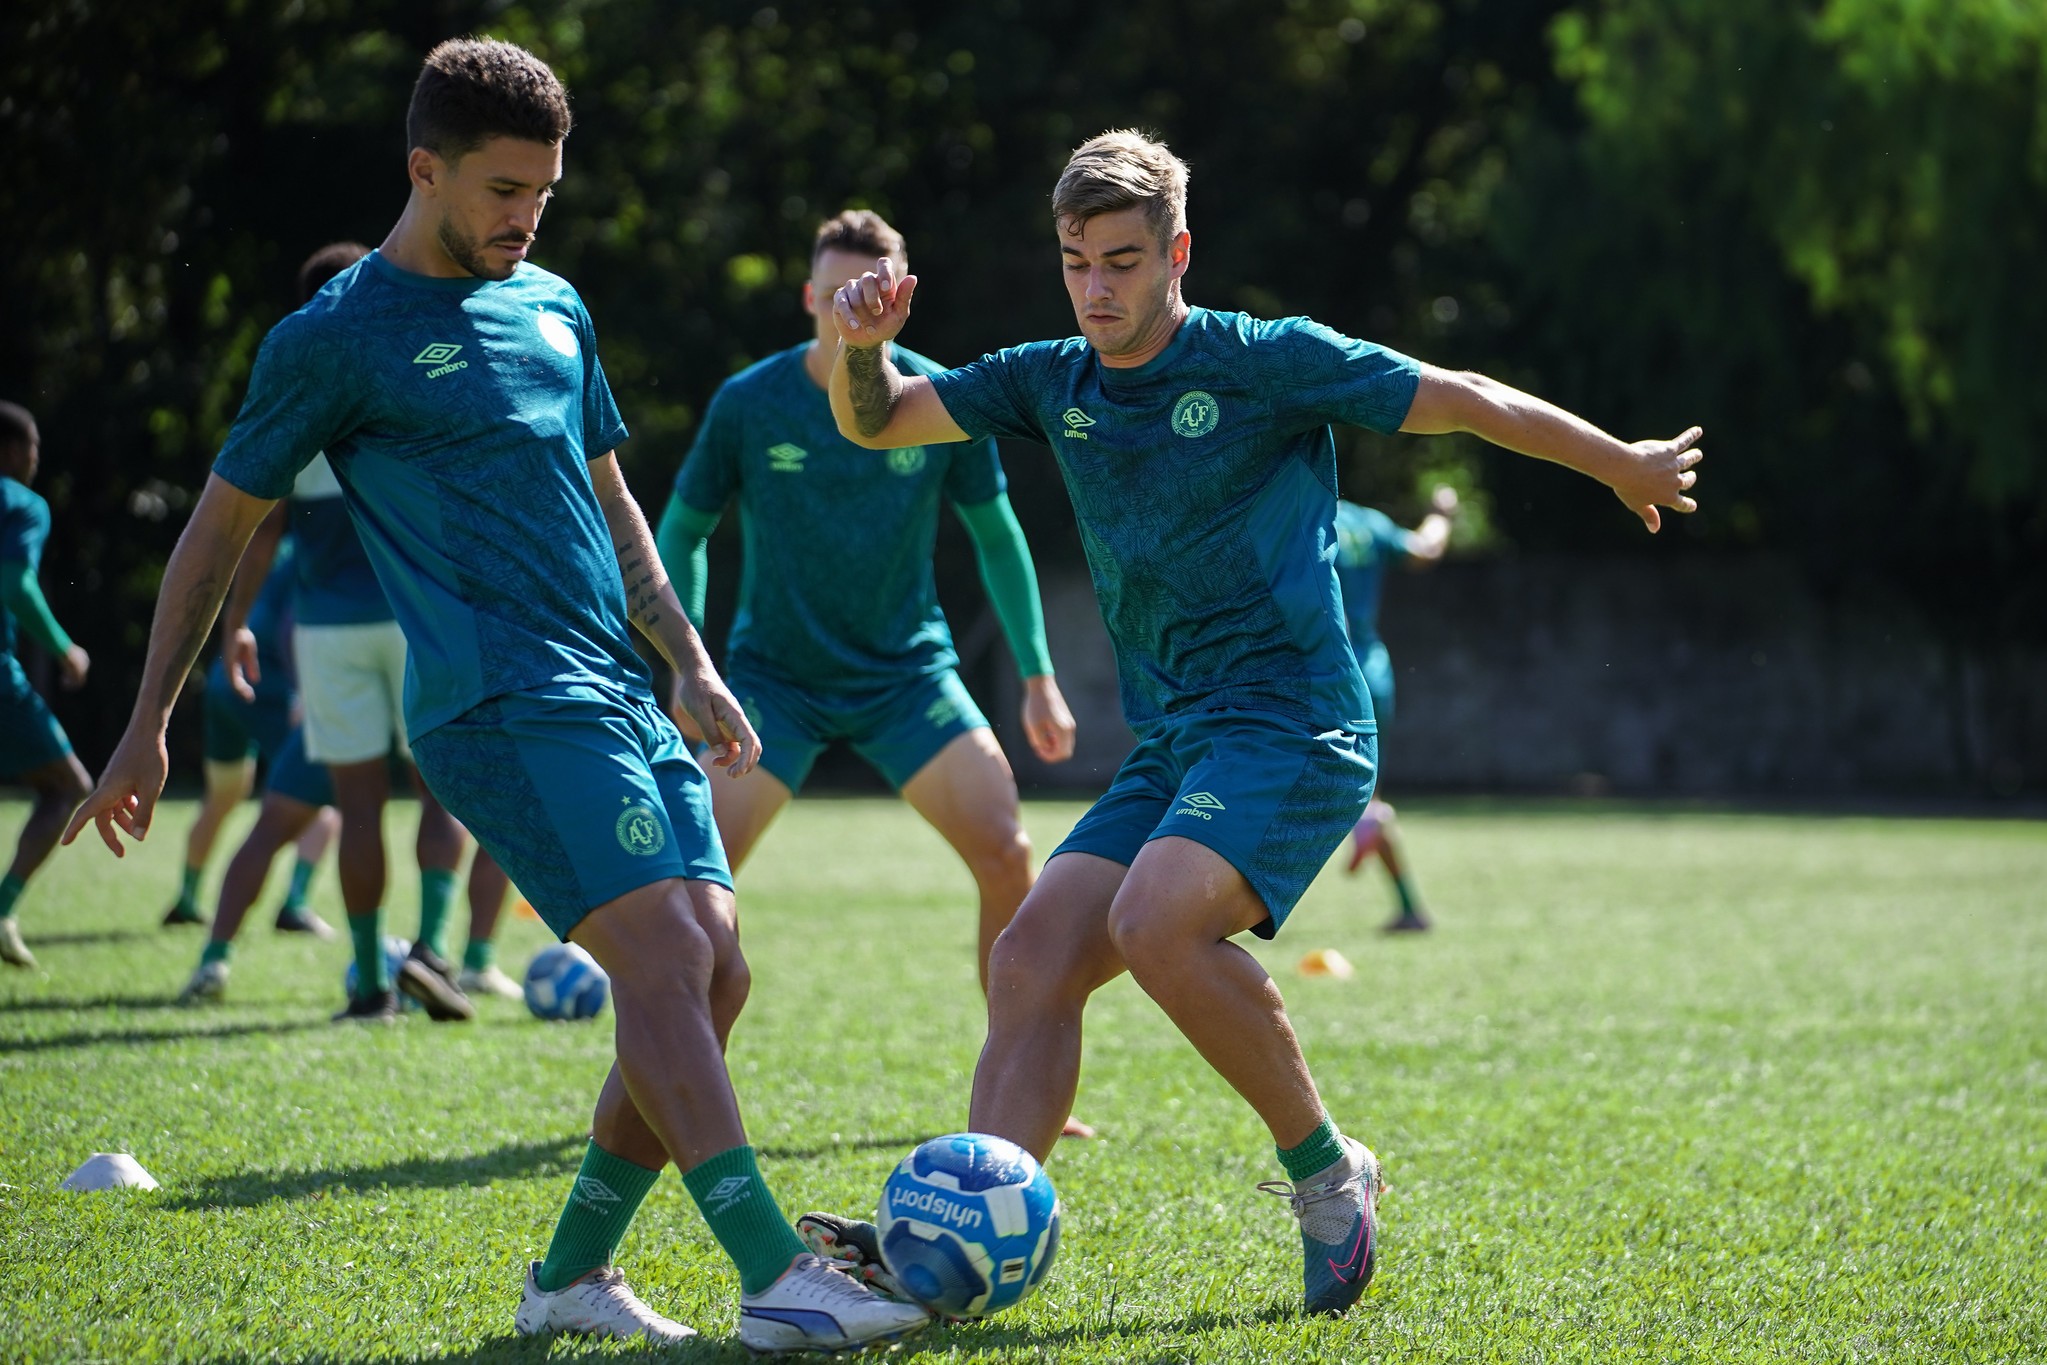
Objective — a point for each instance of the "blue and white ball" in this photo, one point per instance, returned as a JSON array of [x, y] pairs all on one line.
[[564, 982], [396, 950], [969, 1224]]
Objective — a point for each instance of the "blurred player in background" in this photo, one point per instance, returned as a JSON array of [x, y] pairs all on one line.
[[1367, 542], [1197, 450], [839, 635], [34, 749], [238, 732], [351, 657], [457, 393]]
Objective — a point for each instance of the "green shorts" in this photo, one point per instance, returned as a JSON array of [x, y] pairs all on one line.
[[30, 736], [294, 775], [237, 729], [1377, 666], [897, 729], [582, 793], [1265, 791]]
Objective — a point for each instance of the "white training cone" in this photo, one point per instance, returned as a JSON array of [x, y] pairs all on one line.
[[110, 1171]]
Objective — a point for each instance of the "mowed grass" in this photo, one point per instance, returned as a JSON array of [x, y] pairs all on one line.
[[1663, 1085]]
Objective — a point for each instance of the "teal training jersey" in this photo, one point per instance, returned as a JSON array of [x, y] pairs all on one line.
[[336, 584], [1204, 482], [24, 529], [271, 616], [837, 591], [1367, 543], [458, 415]]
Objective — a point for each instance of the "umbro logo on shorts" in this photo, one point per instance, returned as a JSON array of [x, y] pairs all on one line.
[[441, 355], [726, 1193], [1202, 804]]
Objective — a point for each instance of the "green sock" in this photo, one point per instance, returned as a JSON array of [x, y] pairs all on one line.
[[1405, 893], [480, 953], [218, 950], [602, 1202], [301, 878], [744, 1217], [372, 973], [1318, 1152], [436, 894], [11, 888], [188, 889]]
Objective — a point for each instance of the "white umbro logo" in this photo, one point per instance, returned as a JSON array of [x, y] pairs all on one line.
[[593, 1191], [1203, 804], [1075, 420], [726, 1193]]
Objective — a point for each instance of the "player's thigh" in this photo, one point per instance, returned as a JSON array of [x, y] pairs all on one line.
[[1059, 940], [345, 687], [581, 795], [1181, 892], [31, 740], [297, 778], [647, 935], [968, 794], [901, 730], [744, 808], [229, 780]]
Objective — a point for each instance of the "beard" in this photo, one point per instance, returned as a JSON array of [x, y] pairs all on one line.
[[464, 251]]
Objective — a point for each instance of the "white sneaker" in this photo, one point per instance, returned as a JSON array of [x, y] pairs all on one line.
[[489, 981], [208, 984], [12, 950], [600, 1304], [817, 1307]]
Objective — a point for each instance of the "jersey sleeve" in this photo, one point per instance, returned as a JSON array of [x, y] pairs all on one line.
[[975, 474], [299, 403], [24, 527], [1321, 376], [991, 397], [1395, 542], [603, 427], [709, 476]]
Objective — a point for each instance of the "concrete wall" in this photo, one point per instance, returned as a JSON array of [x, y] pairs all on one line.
[[1679, 676]]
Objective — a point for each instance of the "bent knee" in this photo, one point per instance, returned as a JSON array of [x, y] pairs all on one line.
[[1147, 937], [1002, 859]]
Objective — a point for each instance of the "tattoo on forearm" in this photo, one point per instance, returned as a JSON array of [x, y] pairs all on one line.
[[188, 634], [869, 387]]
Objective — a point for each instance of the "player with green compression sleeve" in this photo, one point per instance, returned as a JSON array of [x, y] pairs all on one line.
[[1368, 542], [845, 640], [1197, 450], [33, 747]]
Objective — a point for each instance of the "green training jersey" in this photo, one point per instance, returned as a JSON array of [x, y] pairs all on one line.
[[24, 528], [1204, 482], [459, 416], [837, 591], [1367, 543]]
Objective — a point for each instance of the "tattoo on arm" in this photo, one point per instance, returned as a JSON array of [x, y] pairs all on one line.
[[189, 628], [871, 386]]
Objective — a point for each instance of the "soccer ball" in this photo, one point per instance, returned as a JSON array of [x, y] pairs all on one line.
[[564, 982], [396, 950], [968, 1224]]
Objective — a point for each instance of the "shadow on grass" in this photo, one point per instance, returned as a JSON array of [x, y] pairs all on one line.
[[872, 1144], [549, 1156], [79, 937], [52, 1004], [58, 1042], [1140, 1330]]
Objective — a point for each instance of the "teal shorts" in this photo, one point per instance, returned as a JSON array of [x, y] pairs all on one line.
[[1269, 794], [897, 729], [237, 729], [30, 736], [294, 775], [581, 793], [1377, 666]]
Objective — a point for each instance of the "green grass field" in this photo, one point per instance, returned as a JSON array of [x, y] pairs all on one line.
[[1663, 1085]]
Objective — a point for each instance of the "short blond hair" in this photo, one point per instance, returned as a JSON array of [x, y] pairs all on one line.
[[1123, 168]]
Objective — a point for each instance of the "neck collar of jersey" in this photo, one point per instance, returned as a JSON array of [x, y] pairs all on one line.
[[456, 284], [1117, 377]]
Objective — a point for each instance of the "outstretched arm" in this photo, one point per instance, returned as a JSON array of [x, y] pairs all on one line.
[[1644, 475], [875, 404], [651, 602], [1427, 542], [194, 581]]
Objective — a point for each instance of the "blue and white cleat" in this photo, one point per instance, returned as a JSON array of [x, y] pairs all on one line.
[[815, 1306], [1338, 1211]]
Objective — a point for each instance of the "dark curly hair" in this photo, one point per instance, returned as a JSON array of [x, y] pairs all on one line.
[[474, 89]]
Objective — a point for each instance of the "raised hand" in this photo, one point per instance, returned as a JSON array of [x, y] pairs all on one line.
[[873, 308], [1661, 476]]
